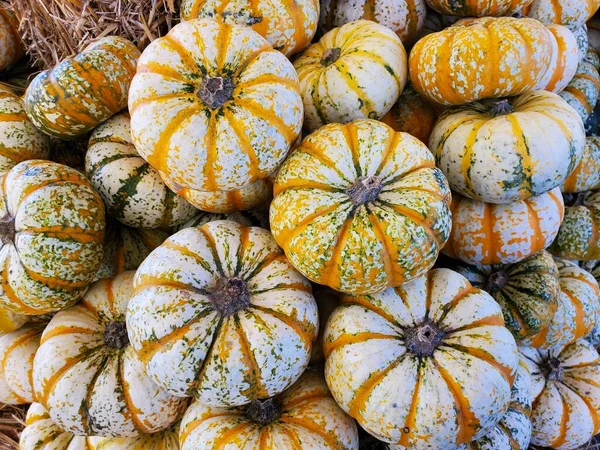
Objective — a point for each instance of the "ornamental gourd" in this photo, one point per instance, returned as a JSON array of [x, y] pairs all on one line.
[[213, 106], [336, 74], [51, 237], [220, 314], [592, 58], [571, 13], [486, 233], [478, 8], [359, 207], [405, 17], [132, 190], [581, 35], [304, 417], [508, 150], [438, 338], [586, 175], [566, 392], [583, 90], [288, 26], [87, 375], [462, 63], [11, 48], [527, 291], [82, 92]]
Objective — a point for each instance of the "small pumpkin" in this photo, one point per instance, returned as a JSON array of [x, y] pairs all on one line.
[[508, 150], [486, 233], [571, 13], [583, 90], [218, 97], [51, 235], [567, 54], [11, 47], [336, 74], [586, 175], [566, 392], [220, 314], [132, 190], [82, 92], [526, 291], [478, 8], [87, 375], [581, 35], [304, 417], [592, 58], [359, 207], [405, 17], [428, 364]]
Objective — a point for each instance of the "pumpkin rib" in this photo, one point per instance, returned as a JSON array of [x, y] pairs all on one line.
[[486, 321], [307, 424], [561, 438], [361, 301], [484, 356], [386, 243], [296, 326], [10, 292], [222, 440], [137, 423], [251, 363], [332, 266], [255, 172], [85, 424], [319, 155], [271, 119], [356, 339], [308, 398], [411, 417]]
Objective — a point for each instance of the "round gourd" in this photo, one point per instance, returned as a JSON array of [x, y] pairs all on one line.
[[337, 74], [288, 26], [527, 291], [592, 58], [359, 207], [213, 106], [427, 365], [51, 235], [478, 8], [572, 13], [566, 392], [583, 90], [455, 66], [506, 150], [220, 314], [11, 48], [245, 218], [87, 375], [586, 175], [566, 58], [485, 233], [17, 350], [405, 17], [578, 306], [593, 267], [327, 301], [10, 321], [82, 92], [132, 190], [304, 417]]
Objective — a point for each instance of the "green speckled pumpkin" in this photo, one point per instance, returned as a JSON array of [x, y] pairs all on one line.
[[586, 175]]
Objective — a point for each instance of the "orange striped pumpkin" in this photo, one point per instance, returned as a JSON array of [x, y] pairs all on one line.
[[478, 8], [586, 175], [485, 233], [82, 92], [11, 47], [51, 235], [571, 13], [287, 25], [583, 90], [566, 58], [581, 35], [428, 364], [304, 417]]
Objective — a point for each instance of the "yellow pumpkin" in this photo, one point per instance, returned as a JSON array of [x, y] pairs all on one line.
[[572, 13], [11, 48], [583, 90], [586, 175]]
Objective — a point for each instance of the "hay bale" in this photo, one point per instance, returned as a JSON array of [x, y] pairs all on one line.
[[53, 30], [12, 422]]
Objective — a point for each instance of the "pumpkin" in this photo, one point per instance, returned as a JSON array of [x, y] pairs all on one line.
[[245, 218], [405, 17], [526, 291], [581, 35], [583, 90], [412, 114], [578, 234], [304, 417], [438, 338], [478, 8], [566, 392], [336, 74], [572, 13], [568, 55], [486, 233], [10, 321], [592, 58], [586, 175], [218, 97], [220, 314], [51, 237], [87, 375], [359, 207], [508, 150], [132, 190], [11, 48], [327, 301], [288, 26], [593, 267], [17, 350], [483, 58], [578, 305], [82, 92]]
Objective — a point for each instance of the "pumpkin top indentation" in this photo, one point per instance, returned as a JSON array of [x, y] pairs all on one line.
[[215, 91], [330, 56], [231, 296], [364, 190], [115, 335], [422, 340], [264, 412]]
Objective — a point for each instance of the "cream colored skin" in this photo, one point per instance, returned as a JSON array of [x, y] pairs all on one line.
[[373, 375], [344, 91], [569, 49], [90, 388], [586, 87], [565, 411], [112, 164], [572, 13], [311, 420], [190, 348], [512, 156], [581, 36]]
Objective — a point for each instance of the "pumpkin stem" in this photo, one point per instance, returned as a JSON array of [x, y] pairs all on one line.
[[497, 281], [232, 295], [500, 108], [7, 230], [264, 412], [554, 370], [214, 91], [365, 190], [115, 335], [423, 339], [330, 56]]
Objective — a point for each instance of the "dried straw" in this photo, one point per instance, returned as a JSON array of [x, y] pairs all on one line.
[[12, 421], [55, 29]]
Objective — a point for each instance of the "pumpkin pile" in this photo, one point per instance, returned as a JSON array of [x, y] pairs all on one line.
[[292, 225]]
